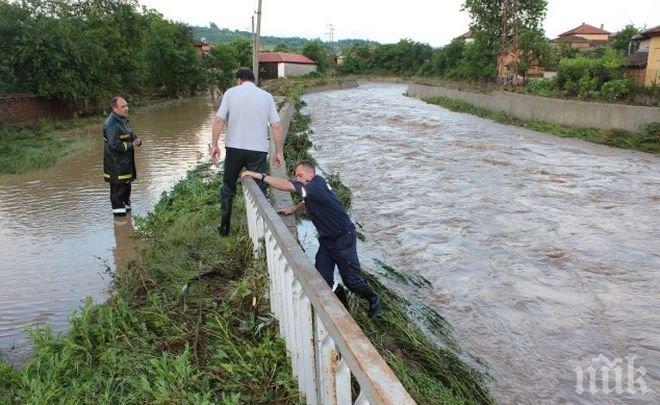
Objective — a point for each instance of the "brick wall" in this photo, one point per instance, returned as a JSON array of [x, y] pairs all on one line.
[[22, 108]]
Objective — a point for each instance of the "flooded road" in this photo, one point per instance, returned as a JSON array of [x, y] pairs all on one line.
[[544, 253], [57, 234]]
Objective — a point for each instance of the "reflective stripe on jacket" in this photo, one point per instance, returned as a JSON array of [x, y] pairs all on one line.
[[118, 153]]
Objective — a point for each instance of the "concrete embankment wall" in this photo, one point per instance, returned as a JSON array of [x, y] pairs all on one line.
[[281, 199], [556, 111], [332, 86]]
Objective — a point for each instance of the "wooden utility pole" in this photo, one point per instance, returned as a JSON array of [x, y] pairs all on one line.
[[255, 45], [254, 51]]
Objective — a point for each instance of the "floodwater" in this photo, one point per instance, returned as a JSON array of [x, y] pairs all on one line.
[[543, 253], [58, 239]]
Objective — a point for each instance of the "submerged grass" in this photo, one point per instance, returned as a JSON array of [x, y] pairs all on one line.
[[28, 147], [646, 140], [188, 321], [414, 339]]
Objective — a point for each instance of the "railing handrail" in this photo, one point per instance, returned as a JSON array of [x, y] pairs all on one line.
[[377, 381]]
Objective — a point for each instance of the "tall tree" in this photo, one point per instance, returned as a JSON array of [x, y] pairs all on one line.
[[496, 23], [243, 49], [316, 52], [220, 64], [281, 47], [621, 39]]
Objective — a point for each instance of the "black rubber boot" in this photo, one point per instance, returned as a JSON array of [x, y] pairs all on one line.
[[370, 295], [340, 292], [374, 306], [225, 205]]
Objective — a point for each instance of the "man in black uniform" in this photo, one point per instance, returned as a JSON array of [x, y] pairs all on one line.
[[336, 232], [118, 156]]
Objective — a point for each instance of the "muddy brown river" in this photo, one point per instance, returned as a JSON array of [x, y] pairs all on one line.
[[58, 238], [543, 253]]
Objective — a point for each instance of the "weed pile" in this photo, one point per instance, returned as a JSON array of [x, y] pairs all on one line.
[[188, 321], [646, 140]]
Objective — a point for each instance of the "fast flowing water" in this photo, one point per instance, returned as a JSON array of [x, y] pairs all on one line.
[[543, 253], [57, 234]]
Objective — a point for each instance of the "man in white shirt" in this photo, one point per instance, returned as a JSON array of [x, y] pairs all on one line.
[[247, 110]]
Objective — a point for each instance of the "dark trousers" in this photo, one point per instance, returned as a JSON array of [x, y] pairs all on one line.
[[237, 159], [120, 195], [341, 251]]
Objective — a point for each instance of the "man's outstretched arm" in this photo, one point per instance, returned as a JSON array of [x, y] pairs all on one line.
[[276, 182]]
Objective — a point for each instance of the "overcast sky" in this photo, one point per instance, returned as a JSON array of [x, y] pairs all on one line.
[[434, 22]]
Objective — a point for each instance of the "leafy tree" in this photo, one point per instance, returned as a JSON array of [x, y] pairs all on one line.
[[534, 50], [405, 57], [243, 49], [494, 29], [316, 52], [281, 47], [445, 60], [12, 32], [84, 51], [221, 63], [171, 62], [356, 59], [476, 64], [621, 39]]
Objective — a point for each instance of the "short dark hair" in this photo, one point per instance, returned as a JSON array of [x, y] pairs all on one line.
[[245, 74], [308, 164]]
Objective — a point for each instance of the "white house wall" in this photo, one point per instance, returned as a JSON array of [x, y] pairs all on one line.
[[294, 69]]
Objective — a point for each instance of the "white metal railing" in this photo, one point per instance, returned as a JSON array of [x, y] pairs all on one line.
[[325, 344]]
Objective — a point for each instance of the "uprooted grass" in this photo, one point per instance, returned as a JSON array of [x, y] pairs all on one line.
[[188, 321], [646, 140]]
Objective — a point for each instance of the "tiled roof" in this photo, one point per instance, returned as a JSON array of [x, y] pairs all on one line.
[[584, 29], [278, 57], [571, 39], [637, 59], [574, 39], [467, 35], [651, 32]]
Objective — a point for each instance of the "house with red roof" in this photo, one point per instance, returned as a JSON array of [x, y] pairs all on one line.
[[283, 64], [583, 37], [202, 46]]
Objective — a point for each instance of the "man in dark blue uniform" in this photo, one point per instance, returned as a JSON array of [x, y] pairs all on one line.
[[336, 232], [119, 156]]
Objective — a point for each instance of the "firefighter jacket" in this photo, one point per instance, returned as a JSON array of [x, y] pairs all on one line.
[[118, 152]]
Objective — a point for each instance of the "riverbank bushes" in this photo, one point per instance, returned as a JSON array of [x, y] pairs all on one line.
[[84, 52], [646, 140], [188, 320]]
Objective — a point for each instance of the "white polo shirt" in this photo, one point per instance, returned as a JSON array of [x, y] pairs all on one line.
[[248, 110]]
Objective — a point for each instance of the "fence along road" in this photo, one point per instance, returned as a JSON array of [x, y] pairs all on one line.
[[325, 344]]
